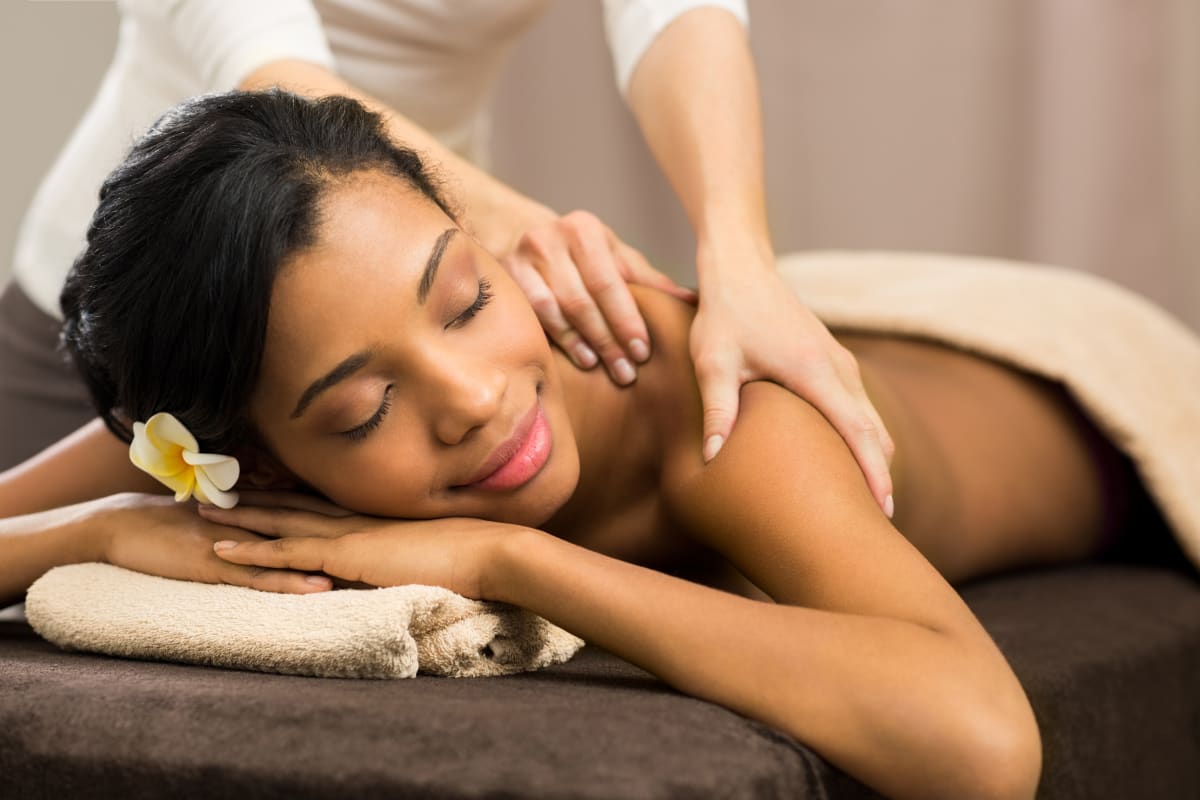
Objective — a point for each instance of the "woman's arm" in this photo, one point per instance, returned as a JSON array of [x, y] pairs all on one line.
[[889, 674], [868, 655], [89, 463], [695, 96], [146, 533]]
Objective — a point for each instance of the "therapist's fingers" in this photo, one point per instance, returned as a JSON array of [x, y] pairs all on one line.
[[549, 249], [717, 375], [852, 379], [548, 312], [861, 430], [612, 312]]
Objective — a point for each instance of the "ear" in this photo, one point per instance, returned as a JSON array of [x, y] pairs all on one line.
[[261, 470]]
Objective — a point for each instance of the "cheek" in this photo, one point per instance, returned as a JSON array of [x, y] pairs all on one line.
[[387, 474], [518, 324], [393, 486]]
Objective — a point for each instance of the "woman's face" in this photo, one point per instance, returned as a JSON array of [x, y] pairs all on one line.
[[405, 374]]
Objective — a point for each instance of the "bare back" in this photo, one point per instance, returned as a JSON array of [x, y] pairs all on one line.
[[995, 468]]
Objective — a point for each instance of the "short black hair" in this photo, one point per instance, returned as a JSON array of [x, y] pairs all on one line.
[[166, 308]]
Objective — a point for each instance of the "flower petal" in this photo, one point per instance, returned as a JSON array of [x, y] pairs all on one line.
[[168, 469], [164, 431], [222, 471], [182, 483], [209, 492]]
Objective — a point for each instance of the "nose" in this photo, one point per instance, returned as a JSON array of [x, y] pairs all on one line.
[[465, 395]]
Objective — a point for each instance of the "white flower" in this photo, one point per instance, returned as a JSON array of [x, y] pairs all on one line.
[[164, 448]]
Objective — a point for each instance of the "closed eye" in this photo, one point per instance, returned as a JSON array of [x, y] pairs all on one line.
[[481, 300], [359, 433]]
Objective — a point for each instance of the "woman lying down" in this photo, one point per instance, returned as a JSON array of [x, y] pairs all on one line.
[[271, 276]]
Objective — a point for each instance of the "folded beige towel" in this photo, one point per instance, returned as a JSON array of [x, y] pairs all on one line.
[[1130, 365], [348, 633]]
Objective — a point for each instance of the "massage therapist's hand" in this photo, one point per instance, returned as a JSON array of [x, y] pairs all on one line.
[[153, 534], [453, 552], [750, 326], [575, 272]]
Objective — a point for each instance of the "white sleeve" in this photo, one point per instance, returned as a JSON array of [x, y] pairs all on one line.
[[226, 40], [631, 25]]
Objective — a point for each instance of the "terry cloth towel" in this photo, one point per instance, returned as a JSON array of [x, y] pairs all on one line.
[[346, 633], [1132, 367]]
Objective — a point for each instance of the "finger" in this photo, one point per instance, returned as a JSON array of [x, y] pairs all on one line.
[[294, 552], [584, 315], [550, 314], [272, 580], [720, 394], [601, 269], [851, 376], [829, 395], [885, 438], [276, 522]]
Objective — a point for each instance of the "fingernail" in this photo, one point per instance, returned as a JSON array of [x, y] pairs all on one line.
[[889, 506], [712, 446], [584, 356], [224, 545], [639, 350], [624, 371], [317, 580]]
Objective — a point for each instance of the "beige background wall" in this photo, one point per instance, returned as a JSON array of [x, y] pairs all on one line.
[[1064, 131]]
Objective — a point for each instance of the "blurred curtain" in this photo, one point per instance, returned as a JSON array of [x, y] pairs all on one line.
[[1058, 131]]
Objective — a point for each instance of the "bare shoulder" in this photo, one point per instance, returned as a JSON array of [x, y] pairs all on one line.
[[667, 391], [669, 320], [786, 503]]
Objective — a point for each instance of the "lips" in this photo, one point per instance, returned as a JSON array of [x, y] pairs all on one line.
[[521, 456]]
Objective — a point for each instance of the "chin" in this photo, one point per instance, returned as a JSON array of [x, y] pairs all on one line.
[[534, 504]]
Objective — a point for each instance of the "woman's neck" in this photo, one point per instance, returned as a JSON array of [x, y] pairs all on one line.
[[622, 432], [615, 444]]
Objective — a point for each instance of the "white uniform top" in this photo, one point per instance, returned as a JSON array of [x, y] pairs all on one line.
[[435, 61]]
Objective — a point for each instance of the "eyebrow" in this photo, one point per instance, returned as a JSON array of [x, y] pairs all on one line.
[[431, 266], [336, 375], [359, 360]]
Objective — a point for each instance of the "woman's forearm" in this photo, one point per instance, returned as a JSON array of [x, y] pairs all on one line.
[[904, 708], [84, 465], [32, 544], [495, 212]]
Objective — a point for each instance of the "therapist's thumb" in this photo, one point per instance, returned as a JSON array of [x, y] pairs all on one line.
[[719, 394]]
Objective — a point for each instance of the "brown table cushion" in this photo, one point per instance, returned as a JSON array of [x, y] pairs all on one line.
[[1109, 654]]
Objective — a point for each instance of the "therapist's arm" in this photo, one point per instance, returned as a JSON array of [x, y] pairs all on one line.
[[695, 95]]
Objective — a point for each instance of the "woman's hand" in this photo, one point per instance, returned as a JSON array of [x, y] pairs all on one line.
[[454, 552], [575, 271], [154, 534], [755, 327]]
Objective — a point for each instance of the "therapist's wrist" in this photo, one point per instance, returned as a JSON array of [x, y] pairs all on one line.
[[735, 256]]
